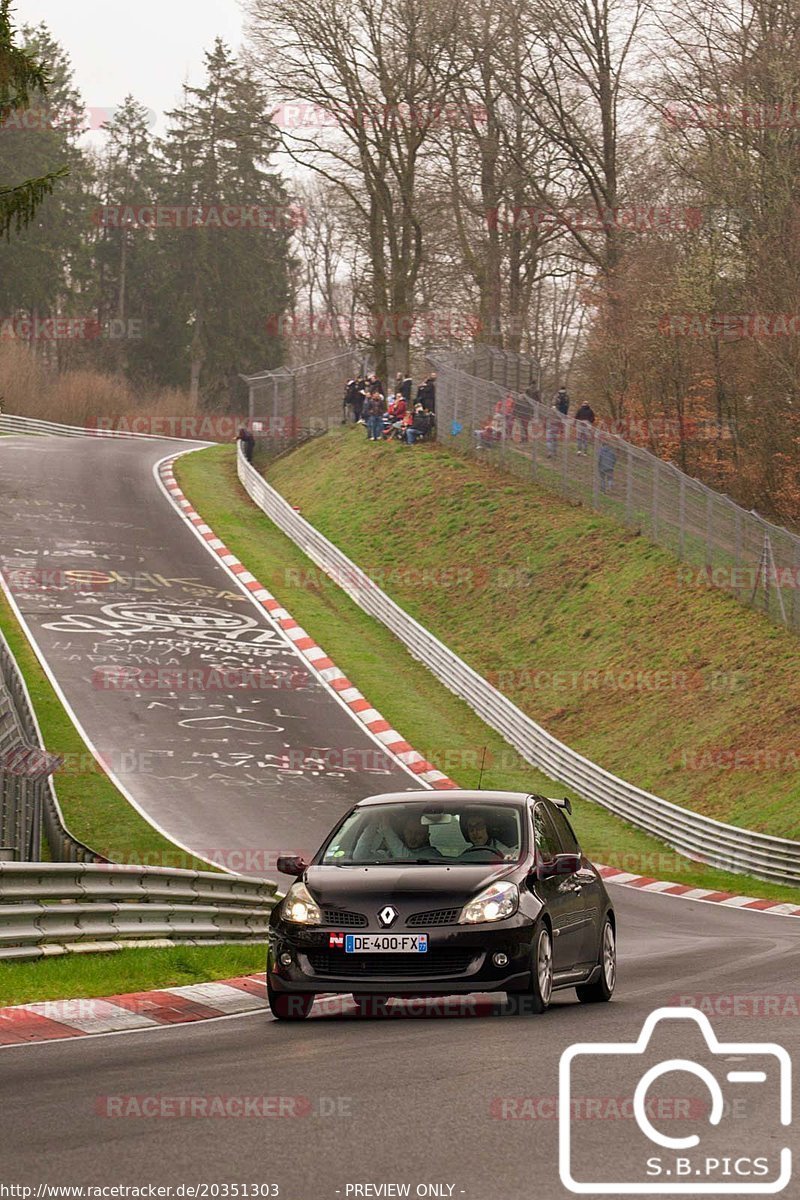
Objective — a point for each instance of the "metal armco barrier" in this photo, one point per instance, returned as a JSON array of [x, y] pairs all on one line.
[[698, 837], [48, 909], [28, 801], [9, 423]]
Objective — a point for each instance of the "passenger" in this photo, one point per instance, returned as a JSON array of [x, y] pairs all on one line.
[[381, 842]]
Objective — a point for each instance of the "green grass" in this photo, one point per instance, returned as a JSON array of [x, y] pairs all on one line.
[[94, 810], [555, 589], [386, 505], [79, 976]]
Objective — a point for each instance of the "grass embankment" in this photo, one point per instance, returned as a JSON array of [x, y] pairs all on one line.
[[404, 507], [94, 810], [81, 976]]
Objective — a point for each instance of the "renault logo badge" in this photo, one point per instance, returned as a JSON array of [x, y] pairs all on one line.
[[387, 916]]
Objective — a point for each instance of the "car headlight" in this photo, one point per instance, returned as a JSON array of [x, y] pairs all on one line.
[[495, 903], [300, 907]]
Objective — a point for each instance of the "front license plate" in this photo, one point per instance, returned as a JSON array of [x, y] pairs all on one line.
[[386, 943]]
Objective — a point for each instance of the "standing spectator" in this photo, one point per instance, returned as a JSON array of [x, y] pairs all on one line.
[[248, 442], [553, 430], [523, 412], [353, 399], [405, 387], [606, 461], [426, 393], [562, 401], [374, 408], [584, 419]]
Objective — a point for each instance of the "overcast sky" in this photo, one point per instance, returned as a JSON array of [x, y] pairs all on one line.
[[148, 49]]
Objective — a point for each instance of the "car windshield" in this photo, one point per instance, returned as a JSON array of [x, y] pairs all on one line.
[[416, 835]]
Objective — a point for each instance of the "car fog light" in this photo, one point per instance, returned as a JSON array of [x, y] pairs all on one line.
[[286, 959], [500, 959]]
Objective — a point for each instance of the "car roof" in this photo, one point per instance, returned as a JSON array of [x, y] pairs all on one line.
[[456, 795]]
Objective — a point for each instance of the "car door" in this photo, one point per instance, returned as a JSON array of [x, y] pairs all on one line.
[[586, 882], [561, 893]]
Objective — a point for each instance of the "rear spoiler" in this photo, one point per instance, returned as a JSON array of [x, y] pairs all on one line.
[[560, 802]]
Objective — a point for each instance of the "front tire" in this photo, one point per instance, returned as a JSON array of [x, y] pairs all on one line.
[[538, 995], [601, 991], [289, 1006]]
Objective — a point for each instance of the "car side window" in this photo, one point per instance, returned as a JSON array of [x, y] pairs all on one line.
[[566, 836], [547, 844]]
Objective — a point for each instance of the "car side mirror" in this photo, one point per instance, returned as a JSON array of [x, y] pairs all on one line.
[[561, 864], [291, 864]]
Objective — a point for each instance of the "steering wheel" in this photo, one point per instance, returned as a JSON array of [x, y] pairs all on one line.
[[483, 850]]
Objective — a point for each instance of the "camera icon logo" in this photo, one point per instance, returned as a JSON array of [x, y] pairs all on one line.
[[707, 1151]]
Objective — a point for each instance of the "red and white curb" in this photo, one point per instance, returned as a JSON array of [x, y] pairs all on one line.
[[391, 739], [645, 883], [53, 1020], [306, 647]]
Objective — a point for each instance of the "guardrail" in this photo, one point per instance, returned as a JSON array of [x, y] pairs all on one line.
[[697, 836], [11, 423], [28, 800], [48, 909]]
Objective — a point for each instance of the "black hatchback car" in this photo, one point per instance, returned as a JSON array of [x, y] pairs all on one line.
[[440, 893]]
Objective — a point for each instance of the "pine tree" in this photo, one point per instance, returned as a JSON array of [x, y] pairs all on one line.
[[44, 268], [225, 282], [22, 78]]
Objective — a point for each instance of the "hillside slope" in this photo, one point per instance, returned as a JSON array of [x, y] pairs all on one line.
[[585, 625]]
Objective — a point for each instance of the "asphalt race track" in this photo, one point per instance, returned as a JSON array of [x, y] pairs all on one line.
[[445, 1096], [443, 1099], [109, 578]]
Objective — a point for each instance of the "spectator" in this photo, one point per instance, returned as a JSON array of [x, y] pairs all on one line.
[[374, 408], [353, 399], [562, 401], [421, 425], [426, 393], [584, 420], [397, 416], [524, 413], [606, 461], [533, 393], [553, 430], [405, 387], [248, 442]]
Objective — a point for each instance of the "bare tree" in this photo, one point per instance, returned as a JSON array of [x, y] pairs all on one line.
[[374, 78]]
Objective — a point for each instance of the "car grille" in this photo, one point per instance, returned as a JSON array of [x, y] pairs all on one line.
[[435, 916], [391, 966], [344, 920]]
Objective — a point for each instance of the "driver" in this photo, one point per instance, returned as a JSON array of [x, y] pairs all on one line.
[[478, 835]]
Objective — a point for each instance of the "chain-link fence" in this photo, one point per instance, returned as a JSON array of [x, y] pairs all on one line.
[[721, 544], [290, 401]]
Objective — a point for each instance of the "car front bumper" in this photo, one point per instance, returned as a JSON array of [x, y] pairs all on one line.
[[459, 960]]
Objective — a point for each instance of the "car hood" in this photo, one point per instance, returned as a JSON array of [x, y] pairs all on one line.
[[437, 885]]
